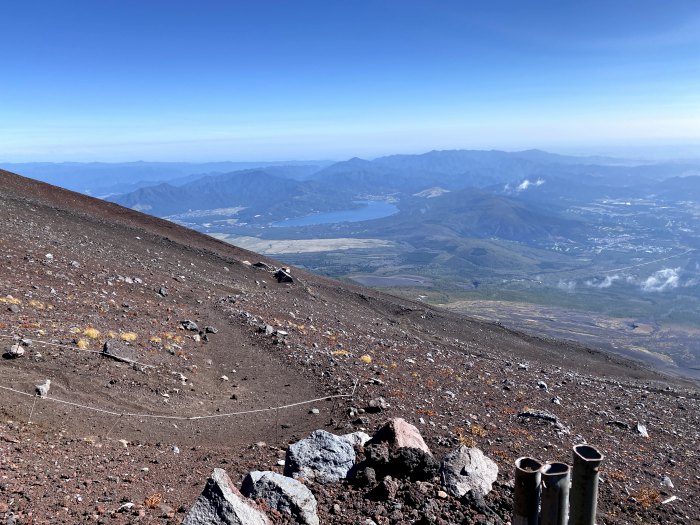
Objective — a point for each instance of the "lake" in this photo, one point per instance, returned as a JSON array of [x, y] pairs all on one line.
[[369, 211]]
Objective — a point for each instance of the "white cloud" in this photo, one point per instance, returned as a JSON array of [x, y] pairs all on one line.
[[567, 286], [662, 280], [527, 183], [605, 283]]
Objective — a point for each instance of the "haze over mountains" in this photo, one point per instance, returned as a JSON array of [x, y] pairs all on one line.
[[612, 237]]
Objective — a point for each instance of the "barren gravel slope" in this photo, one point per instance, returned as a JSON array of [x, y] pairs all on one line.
[[456, 378]]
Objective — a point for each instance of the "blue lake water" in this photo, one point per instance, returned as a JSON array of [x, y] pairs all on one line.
[[369, 211]]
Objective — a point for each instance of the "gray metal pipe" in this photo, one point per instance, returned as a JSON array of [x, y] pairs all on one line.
[[584, 487], [526, 501], [556, 478]]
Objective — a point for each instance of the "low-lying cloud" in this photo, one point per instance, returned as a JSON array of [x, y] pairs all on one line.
[[567, 286], [603, 283], [527, 183], [660, 281]]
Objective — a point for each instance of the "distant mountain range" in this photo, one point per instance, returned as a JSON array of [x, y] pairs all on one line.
[[516, 196]]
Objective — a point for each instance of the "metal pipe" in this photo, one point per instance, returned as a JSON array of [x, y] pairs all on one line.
[[556, 478], [584, 487], [526, 501]]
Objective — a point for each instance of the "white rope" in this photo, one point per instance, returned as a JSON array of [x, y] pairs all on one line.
[[180, 418], [77, 349]]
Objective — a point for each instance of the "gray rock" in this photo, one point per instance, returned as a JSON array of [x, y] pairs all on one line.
[[287, 495], [356, 439], [210, 330], [642, 430], [377, 405], [189, 325], [163, 291], [263, 266], [467, 469], [43, 389], [323, 457], [15, 351], [543, 415], [221, 504], [666, 482], [283, 277]]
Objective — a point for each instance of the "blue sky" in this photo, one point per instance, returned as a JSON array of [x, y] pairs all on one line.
[[232, 80]]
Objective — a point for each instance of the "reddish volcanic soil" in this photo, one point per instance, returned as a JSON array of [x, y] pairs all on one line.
[[77, 272]]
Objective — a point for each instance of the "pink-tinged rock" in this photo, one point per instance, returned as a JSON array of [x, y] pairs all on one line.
[[398, 433]]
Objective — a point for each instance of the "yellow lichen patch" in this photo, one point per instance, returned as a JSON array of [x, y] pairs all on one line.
[[75, 330], [83, 344], [92, 333], [367, 359], [153, 501], [477, 430], [128, 336], [37, 304], [111, 334], [155, 339], [8, 299], [340, 353]]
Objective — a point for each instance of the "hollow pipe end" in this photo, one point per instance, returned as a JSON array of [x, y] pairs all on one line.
[[555, 469], [528, 464], [588, 453]]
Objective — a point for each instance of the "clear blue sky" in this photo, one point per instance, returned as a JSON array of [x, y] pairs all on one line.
[[198, 80]]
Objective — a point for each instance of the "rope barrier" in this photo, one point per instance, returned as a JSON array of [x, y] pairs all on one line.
[[178, 418]]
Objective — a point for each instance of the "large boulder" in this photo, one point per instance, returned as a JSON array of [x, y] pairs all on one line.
[[398, 433], [221, 504], [467, 469], [323, 457], [287, 495]]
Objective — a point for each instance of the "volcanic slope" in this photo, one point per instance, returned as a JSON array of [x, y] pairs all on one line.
[[78, 272]]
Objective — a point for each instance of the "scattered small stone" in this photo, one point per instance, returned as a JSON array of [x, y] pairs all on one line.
[[190, 325], [283, 277], [15, 351], [163, 291], [211, 330], [262, 266], [377, 405], [619, 424], [42, 390], [666, 482], [314, 411], [642, 430]]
